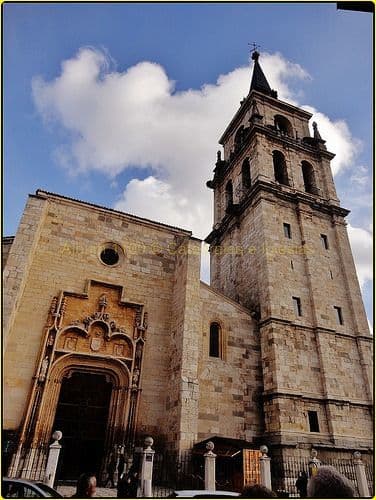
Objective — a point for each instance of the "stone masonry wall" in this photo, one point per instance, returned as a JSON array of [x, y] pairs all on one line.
[[19, 259], [182, 398], [67, 255], [230, 386]]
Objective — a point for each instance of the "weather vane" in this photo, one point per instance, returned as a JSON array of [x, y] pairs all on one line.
[[255, 46]]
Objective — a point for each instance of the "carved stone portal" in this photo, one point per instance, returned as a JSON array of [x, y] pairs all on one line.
[[96, 332]]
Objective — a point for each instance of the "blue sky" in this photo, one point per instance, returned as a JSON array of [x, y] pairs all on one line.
[[315, 55]]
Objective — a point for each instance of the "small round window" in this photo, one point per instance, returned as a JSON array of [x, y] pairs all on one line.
[[110, 254]]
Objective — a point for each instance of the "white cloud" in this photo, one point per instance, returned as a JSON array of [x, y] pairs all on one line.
[[338, 140], [361, 176], [361, 243], [117, 120]]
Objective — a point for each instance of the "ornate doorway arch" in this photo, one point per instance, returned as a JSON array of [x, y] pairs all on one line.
[[105, 408], [115, 372], [108, 342]]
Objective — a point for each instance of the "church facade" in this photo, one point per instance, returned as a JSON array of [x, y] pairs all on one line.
[[109, 334]]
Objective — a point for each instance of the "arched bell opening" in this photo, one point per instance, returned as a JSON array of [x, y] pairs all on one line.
[[280, 168], [309, 178], [283, 125]]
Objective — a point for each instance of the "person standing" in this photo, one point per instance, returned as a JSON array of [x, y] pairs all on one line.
[[329, 483], [86, 486], [111, 468], [128, 485], [301, 484]]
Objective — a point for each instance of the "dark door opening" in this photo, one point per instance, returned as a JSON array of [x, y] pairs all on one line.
[[81, 415]]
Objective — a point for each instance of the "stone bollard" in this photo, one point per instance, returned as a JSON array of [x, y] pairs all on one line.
[[210, 466], [53, 458], [314, 463], [360, 472], [265, 476], [147, 468]]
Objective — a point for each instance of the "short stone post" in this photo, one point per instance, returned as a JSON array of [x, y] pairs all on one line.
[[265, 476], [53, 458], [210, 467], [147, 468], [314, 463], [360, 472]]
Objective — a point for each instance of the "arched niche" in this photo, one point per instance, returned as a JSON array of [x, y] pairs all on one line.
[[283, 125]]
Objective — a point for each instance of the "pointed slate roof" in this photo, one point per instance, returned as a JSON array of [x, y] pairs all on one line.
[[259, 81]]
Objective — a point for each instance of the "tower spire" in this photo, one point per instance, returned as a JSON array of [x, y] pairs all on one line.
[[259, 81]]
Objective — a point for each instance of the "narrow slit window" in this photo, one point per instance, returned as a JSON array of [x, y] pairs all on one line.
[[339, 316], [313, 421], [215, 341], [287, 230], [246, 174], [292, 264], [297, 306], [324, 241], [229, 195]]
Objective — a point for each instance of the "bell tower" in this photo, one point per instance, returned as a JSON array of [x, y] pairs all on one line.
[[279, 246]]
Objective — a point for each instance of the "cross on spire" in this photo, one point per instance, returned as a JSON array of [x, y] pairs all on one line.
[[255, 46]]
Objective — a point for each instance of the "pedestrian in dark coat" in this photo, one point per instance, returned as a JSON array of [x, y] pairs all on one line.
[[128, 484], [301, 484], [111, 468]]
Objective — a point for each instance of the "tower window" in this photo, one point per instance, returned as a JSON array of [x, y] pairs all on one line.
[[215, 350], [287, 230], [339, 316], [309, 178], [283, 125], [239, 138], [246, 174], [229, 195], [297, 306], [280, 168], [313, 421], [324, 241]]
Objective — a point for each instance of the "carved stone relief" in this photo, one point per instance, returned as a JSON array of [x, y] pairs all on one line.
[[98, 331]]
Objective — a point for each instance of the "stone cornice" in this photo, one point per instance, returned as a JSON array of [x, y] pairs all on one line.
[[222, 167], [318, 329], [281, 192], [245, 105], [269, 395], [284, 140]]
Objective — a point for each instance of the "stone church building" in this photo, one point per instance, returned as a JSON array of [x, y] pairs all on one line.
[[109, 334]]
